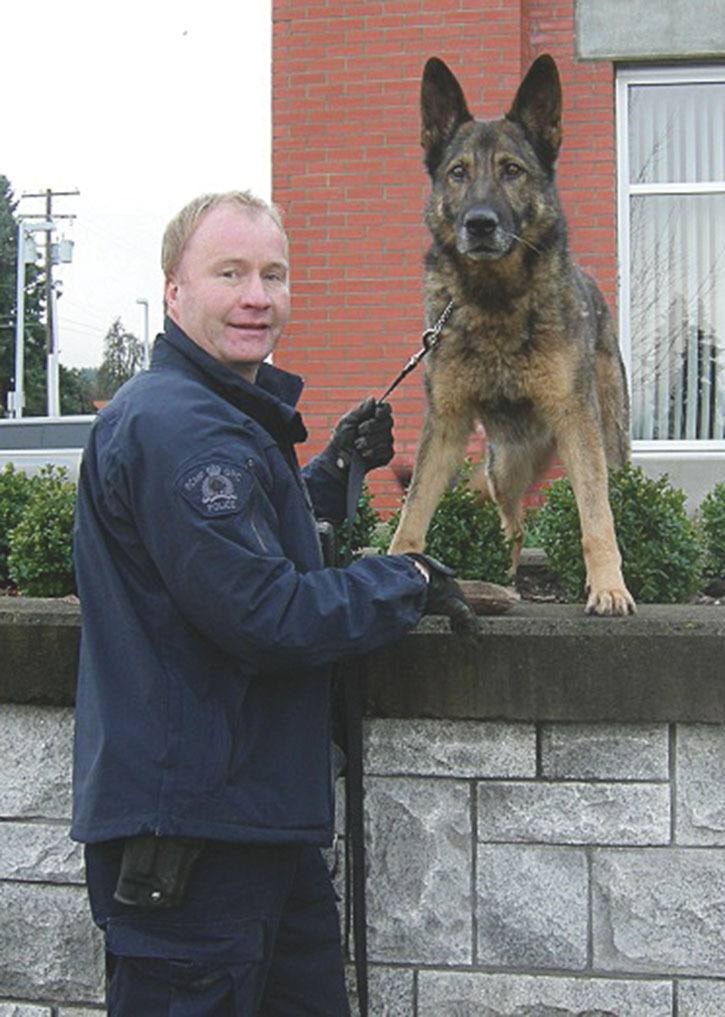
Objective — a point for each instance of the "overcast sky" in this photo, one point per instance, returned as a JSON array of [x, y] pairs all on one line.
[[140, 106]]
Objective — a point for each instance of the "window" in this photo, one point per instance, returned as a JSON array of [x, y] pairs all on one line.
[[671, 166]]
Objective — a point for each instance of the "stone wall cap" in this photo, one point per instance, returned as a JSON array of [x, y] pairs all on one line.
[[38, 611], [539, 662], [547, 619]]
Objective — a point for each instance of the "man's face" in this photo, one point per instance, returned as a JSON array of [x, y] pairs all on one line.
[[230, 291]]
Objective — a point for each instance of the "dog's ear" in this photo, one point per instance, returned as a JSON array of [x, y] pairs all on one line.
[[537, 107], [443, 109]]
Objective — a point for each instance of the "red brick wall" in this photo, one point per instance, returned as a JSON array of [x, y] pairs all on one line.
[[347, 170]]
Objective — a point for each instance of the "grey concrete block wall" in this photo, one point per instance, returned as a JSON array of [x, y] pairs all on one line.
[[567, 869], [570, 896], [555, 847], [50, 952]]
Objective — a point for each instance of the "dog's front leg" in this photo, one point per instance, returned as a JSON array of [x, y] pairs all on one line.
[[441, 450], [581, 450]]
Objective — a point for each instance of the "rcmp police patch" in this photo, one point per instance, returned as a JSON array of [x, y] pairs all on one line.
[[216, 488]]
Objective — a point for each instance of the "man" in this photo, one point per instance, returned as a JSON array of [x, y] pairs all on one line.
[[202, 777]]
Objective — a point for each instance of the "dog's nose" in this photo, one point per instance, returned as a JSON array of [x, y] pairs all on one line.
[[480, 222]]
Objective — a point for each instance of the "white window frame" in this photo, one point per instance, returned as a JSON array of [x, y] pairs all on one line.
[[680, 449]]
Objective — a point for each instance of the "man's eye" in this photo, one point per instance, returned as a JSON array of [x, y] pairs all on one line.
[[229, 273]]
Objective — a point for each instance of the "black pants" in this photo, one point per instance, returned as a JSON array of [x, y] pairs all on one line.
[[257, 936]]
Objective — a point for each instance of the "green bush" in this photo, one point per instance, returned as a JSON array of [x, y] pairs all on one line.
[[465, 533], [363, 529], [531, 528], [15, 488], [660, 547], [711, 519], [40, 546]]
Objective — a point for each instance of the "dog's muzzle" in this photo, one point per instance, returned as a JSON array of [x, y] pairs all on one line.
[[480, 234]]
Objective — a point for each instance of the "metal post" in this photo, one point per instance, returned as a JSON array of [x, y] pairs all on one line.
[[146, 351], [49, 322], [53, 368], [18, 394]]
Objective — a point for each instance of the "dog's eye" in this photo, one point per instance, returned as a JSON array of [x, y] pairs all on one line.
[[512, 170], [458, 172]]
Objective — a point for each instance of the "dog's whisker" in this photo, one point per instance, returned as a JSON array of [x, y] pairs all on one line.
[[524, 241]]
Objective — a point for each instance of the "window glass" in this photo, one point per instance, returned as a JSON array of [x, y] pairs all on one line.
[[672, 193], [677, 133], [678, 316]]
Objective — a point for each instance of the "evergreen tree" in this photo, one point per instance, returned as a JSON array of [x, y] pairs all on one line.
[[122, 358], [77, 390], [35, 342]]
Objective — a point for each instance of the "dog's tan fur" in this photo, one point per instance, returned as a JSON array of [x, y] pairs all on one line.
[[529, 350]]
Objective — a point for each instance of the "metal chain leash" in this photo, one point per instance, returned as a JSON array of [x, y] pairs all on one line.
[[429, 340]]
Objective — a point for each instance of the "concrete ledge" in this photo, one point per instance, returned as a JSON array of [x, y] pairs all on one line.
[[554, 663], [538, 663], [642, 30], [38, 651]]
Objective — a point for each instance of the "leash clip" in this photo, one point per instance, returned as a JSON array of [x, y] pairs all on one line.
[[429, 339], [431, 335]]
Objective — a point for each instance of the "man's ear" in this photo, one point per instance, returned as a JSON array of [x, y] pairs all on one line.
[[171, 289]]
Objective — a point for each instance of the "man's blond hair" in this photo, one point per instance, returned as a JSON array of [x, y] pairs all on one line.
[[181, 227]]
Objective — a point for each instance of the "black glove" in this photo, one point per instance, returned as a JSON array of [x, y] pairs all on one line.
[[446, 597], [367, 430]]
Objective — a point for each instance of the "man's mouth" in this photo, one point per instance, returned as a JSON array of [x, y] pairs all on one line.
[[252, 328]]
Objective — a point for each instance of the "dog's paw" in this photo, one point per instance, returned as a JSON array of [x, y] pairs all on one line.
[[617, 601], [404, 545]]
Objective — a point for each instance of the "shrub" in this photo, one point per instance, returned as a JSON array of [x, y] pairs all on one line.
[[363, 529], [40, 560], [465, 533], [660, 547], [15, 488], [711, 519], [531, 528]]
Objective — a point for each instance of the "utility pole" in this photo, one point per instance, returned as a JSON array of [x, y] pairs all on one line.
[[51, 330], [26, 254]]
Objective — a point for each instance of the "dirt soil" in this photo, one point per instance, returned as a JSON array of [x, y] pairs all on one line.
[[537, 583]]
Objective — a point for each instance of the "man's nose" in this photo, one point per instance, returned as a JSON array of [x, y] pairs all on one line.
[[254, 293]]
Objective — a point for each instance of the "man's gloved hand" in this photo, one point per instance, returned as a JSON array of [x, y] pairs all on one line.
[[446, 597], [367, 430]]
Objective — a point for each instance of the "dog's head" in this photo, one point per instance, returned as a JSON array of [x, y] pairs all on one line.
[[492, 180]]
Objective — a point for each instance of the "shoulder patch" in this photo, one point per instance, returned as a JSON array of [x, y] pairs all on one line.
[[216, 488]]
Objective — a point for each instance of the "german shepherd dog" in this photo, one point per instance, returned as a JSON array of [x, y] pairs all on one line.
[[529, 349]]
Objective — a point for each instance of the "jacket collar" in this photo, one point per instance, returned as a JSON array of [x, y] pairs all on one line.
[[271, 400]]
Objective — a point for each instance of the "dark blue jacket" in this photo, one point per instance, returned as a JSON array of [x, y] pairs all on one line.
[[209, 623]]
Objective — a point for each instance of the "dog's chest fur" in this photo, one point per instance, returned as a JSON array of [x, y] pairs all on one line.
[[494, 356], [511, 336]]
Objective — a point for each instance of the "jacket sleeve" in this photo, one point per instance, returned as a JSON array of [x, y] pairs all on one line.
[[327, 484], [216, 540]]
